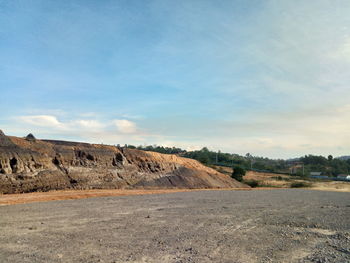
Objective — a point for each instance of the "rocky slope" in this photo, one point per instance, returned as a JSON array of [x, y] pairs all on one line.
[[28, 164]]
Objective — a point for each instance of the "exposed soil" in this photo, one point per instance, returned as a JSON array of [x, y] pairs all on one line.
[[32, 165], [12, 199], [283, 225]]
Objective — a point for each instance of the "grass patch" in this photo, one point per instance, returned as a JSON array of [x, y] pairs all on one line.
[[300, 185], [280, 178]]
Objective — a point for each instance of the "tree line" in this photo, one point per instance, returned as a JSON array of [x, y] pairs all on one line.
[[299, 166]]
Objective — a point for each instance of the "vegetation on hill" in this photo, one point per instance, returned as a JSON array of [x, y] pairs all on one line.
[[238, 173], [299, 166]]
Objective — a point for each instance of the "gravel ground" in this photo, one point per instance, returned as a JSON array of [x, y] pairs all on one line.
[[289, 225]]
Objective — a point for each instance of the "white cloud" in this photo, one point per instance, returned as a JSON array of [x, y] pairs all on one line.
[[42, 120], [90, 130], [51, 122], [125, 126], [88, 124]]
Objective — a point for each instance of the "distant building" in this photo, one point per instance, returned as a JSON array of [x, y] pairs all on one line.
[[315, 173], [343, 176], [318, 175]]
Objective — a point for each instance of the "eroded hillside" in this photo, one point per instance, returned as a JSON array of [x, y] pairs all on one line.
[[28, 165]]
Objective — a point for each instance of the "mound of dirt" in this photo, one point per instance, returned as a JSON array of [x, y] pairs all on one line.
[[43, 165], [4, 140]]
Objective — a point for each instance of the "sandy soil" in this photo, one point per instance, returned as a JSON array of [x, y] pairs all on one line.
[[11, 199]]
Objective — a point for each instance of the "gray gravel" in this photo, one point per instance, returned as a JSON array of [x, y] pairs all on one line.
[[291, 225]]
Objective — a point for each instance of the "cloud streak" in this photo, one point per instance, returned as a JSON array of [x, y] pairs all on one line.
[[88, 129]]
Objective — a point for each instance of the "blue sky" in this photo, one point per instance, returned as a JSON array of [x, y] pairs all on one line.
[[266, 77]]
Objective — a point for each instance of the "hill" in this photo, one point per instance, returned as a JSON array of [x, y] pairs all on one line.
[[29, 165]]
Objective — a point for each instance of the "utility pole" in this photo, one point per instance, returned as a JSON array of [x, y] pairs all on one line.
[[251, 162], [303, 170]]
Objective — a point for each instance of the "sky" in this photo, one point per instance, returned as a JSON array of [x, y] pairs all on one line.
[[268, 77]]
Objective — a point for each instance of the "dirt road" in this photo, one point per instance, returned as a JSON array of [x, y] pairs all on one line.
[[287, 225]]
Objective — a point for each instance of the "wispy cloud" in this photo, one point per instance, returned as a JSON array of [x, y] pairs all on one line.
[[125, 126], [86, 129], [42, 120]]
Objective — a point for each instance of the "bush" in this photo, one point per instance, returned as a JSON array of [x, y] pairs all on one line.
[[299, 185], [238, 173], [252, 183]]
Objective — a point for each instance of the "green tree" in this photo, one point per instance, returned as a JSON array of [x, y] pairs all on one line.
[[205, 149], [238, 173], [203, 158]]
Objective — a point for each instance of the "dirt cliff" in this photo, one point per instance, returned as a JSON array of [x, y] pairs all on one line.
[[28, 164]]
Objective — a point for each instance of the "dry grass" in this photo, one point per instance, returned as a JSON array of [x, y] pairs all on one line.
[[270, 180], [332, 186]]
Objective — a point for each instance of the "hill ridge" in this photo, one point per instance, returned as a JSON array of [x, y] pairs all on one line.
[[42, 165]]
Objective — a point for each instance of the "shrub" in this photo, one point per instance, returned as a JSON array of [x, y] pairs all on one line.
[[252, 183], [238, 173]]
